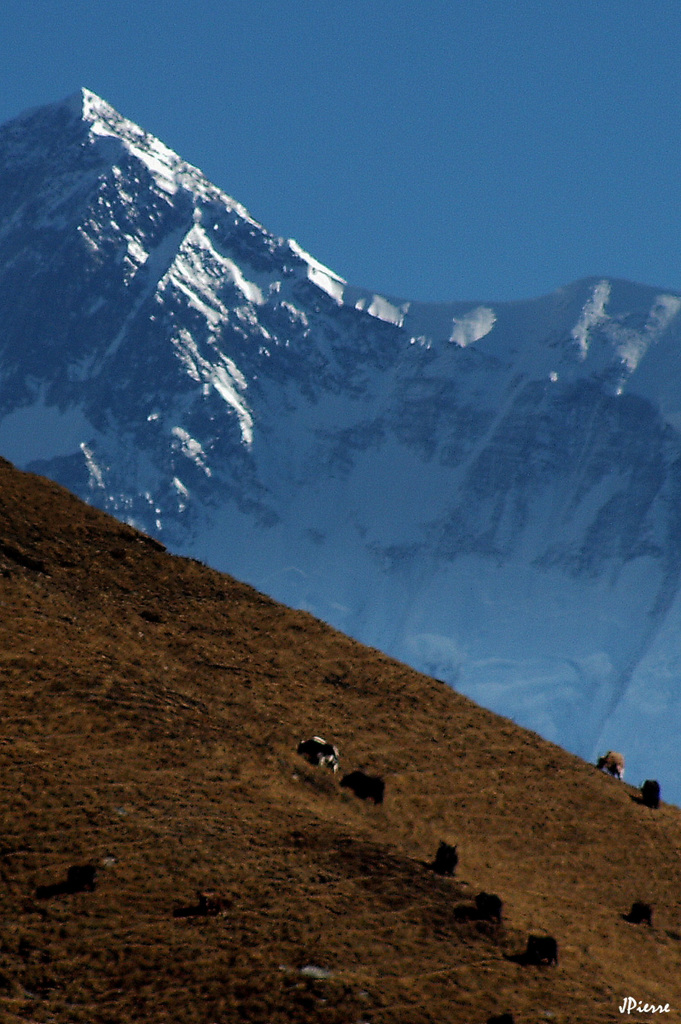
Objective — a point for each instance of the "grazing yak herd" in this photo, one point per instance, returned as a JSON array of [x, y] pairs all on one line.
[[542, 950]]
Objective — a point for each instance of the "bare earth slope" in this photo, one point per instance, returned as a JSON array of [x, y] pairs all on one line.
[[151, 710]]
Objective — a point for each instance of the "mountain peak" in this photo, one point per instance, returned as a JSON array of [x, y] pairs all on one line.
[[88, 105], [82, 105], [104, 120]]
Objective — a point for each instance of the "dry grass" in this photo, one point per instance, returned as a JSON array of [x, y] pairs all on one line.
[[150, 713]]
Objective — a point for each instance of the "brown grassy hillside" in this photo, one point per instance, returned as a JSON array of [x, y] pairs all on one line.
[[151, 710]]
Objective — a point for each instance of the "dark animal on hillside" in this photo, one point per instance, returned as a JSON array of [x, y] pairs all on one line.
[[211, 903], [640, 913], [542, 950], [317, 751], [208, 904], [650, 793], [79, 878], [503, 1018], [366, 787], [446, 859], [489, 906], [612, 763]]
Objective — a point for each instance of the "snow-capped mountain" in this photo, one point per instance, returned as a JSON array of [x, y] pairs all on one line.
[[491, 492]]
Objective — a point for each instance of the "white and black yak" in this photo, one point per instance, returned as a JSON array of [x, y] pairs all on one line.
[[317, 751]]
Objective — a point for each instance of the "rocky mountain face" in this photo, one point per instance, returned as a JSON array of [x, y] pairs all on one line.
[[490, 492]]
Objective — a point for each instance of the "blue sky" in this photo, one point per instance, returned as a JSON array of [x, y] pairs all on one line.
[[473, 150]]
